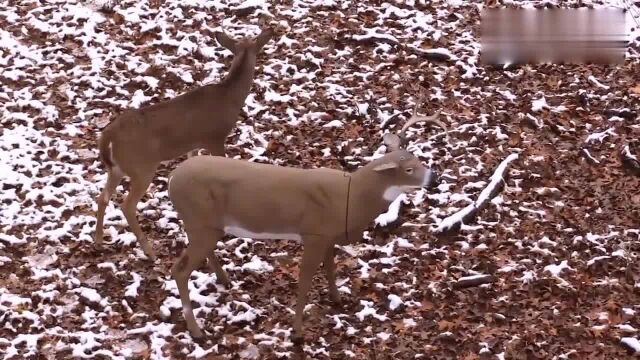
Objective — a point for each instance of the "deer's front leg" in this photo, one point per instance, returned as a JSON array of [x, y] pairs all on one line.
[[312, 256], [329, 266], [139, 184]]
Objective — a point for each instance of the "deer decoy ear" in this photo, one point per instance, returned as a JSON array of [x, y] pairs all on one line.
[[386, 166], [392, 141], [264, 38], [226, 41]]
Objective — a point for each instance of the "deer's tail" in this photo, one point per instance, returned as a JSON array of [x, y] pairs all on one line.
[[104, 146]]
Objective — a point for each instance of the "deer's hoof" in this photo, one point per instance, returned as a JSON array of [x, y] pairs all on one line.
[[297, 340], [98, 240], [223, 279], [148, 252], [197, 335], [335, 299], [337, 303], [226, 284]]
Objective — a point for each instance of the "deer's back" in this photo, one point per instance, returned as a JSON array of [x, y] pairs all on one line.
[[202, 110], [259, 197], [166, 130], [226, 172]]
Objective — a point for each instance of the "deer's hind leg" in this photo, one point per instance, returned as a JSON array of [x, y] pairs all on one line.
[[114, 177], [329, 266], [215, 267]]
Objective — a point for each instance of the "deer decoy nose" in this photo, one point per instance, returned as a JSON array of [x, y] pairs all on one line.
[[430, 179]]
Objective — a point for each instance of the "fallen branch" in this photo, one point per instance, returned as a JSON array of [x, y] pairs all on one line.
[[453, 222], [623, 113], [373, 37], [588, 157], [533, 122], [438, 54], [630, 161], [474, 280]]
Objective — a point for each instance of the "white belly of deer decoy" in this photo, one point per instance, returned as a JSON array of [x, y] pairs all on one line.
[[244, 233]]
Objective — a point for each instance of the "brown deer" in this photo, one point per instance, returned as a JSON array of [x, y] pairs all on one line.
[[322, 207], [138, 140]]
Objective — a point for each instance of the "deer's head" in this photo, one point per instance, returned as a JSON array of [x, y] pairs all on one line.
[[252, 45], [399, 165]]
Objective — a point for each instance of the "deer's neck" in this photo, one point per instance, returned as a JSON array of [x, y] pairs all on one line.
[[366, 198], [240, 77]]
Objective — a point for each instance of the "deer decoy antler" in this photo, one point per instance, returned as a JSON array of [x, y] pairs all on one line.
[[395, 141]]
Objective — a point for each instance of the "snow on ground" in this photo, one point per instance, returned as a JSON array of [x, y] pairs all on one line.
[[561, 239]]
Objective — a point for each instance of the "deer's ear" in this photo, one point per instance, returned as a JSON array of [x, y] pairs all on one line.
[[386, 166], [263, 38], [226, 41]]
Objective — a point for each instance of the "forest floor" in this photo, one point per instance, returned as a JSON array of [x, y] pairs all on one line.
[[559, 242]]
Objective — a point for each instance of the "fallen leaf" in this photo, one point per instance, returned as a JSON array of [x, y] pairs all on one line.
[[444, 325]]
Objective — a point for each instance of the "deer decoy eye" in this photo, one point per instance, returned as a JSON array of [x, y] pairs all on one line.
[[409, 171]]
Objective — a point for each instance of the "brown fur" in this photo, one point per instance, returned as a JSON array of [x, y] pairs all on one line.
[[184, 260], [138, 140], [103, 146]]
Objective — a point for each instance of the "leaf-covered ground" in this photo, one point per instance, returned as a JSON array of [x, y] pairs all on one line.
[[560, 242]]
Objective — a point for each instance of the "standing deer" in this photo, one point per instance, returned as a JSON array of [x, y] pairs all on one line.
[[321, 207], [137, 141]]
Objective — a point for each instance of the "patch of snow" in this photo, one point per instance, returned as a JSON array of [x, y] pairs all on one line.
[[333, 124], [627, 328], [539, 104], [392, 213], [597, 258], [374, 34], [528, 277], [600, 136], [257, 265], [91, 295], [138, 99], [556, 270], [394, 301], [369, 310], [627, 152], [132, 289], [507, 94]]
